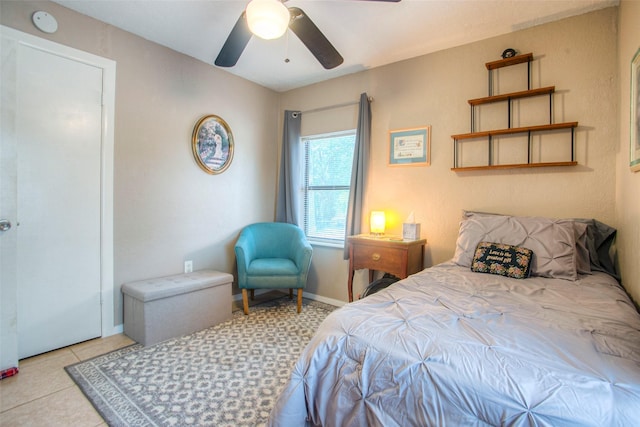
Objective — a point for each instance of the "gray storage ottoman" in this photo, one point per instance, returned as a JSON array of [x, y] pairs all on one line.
[[158, 309]]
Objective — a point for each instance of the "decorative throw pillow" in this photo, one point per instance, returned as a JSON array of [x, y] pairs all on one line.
[[505, 260]]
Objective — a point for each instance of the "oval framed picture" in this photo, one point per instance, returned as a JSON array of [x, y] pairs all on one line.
[[212, 144]]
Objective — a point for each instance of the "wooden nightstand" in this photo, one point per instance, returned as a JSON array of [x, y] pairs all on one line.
[[391, 255]]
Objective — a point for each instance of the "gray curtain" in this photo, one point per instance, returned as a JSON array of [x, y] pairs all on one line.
[[359, 171], [291, 162]]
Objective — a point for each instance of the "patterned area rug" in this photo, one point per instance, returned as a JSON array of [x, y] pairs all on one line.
[[227, 375]]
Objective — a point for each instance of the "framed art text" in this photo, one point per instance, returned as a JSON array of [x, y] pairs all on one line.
[[410, 147]]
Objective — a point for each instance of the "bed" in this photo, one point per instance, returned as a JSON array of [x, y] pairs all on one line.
[[455, 346]]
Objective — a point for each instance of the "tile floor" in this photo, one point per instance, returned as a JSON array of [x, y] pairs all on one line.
[[42, 394]]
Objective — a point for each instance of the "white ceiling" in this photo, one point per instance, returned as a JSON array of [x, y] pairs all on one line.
[[366, 33]]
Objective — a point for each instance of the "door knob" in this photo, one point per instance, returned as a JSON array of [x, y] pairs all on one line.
[[5, 224]]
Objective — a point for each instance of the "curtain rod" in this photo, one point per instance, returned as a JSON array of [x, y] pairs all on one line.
[[330, 107]]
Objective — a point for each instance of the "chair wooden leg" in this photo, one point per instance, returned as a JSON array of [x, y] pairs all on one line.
[[252, 295], [245, 301], [299, 300], [290, 293]]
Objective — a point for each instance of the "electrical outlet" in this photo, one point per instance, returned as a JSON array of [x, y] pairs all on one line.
[[188, 266]]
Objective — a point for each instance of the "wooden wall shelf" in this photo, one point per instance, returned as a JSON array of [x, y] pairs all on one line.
[[514, 166], [507, 62], [509, 97], [509, 131], [513, 95]]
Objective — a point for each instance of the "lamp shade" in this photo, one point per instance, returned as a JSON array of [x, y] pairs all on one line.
[[267, 19], [377, 222]]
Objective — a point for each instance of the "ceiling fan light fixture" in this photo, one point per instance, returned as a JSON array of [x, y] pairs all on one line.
[[267, 19]]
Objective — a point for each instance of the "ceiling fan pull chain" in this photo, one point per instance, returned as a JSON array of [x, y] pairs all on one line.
[[286, 48]]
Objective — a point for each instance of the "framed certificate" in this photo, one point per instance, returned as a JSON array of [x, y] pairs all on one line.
[[410, 147]]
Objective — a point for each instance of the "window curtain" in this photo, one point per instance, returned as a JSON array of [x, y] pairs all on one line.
[[288, 201], [358, 171]]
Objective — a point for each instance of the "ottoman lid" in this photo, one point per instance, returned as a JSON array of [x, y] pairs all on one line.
[[163, 287]]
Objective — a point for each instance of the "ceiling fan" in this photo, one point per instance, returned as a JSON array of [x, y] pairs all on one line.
[[274, 18]]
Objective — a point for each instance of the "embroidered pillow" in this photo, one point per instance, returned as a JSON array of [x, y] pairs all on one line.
[[505, 260]]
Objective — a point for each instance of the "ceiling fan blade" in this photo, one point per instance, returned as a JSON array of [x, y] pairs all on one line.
[[235, 44], [313, 39]]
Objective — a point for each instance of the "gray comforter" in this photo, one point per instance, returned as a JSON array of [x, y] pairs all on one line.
[[451, 347]]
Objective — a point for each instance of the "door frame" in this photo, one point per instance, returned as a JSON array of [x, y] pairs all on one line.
[[108, 67]]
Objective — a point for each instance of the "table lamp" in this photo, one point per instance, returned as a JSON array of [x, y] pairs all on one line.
[[377, 223]]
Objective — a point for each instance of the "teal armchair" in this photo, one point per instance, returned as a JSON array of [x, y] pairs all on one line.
[[272, 255]]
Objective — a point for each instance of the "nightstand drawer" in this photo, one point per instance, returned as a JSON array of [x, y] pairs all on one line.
[[378, 258]]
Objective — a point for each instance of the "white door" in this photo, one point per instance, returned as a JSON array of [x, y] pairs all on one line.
[[8, 336], [58, 178], [58, 136]]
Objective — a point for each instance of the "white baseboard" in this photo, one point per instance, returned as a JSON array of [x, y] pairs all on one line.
[[118, 329], [314, 297], [238, 297], [320, 298]]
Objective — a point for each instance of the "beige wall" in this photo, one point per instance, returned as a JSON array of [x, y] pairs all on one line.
[[577, 55], [628, 183], [167, 209]]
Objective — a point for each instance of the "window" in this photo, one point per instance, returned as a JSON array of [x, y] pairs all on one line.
[[327, 179]]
